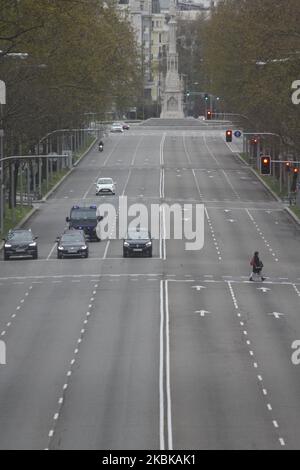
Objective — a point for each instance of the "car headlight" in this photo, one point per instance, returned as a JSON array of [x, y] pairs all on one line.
[[84, 247], [149, 243], [7, 245], [60, 248], [32, 244], [126, 244]]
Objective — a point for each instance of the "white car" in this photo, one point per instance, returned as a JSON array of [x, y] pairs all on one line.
[[116, 127], [105, 186]]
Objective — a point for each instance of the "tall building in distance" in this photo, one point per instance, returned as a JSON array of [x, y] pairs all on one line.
[[172, 97]]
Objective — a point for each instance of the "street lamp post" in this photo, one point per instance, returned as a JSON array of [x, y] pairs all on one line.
[[2, 102]]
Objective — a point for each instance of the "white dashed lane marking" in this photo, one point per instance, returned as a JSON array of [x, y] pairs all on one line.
[[255, 364], [266, 242], [70, 370], [213, 235], [18, 308]]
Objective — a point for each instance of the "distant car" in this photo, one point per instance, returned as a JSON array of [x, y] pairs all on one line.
[[137, 242], [72, 243], [126, 126], [116, 127], [105, 186], [20, 243]]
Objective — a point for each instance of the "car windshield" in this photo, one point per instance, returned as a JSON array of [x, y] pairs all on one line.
[[83, 214], [105, 181], [138, 235], [20, 236], [70, 237]]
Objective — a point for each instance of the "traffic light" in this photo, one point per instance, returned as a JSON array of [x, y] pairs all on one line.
[[187, 93], [254, 140], [265, 165], [209, 114], [288, 166], [206, 97], [229, 135], [295, 177]]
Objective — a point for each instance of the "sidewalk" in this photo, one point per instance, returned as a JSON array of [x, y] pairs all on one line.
[[36, 205], [236, 147]]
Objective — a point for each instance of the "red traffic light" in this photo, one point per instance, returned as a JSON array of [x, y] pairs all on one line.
[[296, 171], [265, 165], [229, 135], [254, 140], [208, 114]]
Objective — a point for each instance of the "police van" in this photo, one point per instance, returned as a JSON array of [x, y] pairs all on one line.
[[85, 218]]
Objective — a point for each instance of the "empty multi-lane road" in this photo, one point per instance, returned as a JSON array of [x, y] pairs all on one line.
[[179, 351]]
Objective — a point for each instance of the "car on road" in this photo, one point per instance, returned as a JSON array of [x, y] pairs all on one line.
[[126, 126], [20, 243], [137, 242], [72, 243], [105, 186], [85, 218], [116, 127]]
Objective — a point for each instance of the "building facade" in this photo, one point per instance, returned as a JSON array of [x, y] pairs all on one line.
[[151, 21]]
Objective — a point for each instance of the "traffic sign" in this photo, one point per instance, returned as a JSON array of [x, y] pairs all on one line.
[[237, 134]]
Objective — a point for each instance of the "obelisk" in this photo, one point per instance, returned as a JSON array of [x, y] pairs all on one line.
[[172, 106]]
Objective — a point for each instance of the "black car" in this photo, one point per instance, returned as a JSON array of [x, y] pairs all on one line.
[[72, 243], [20, 243], [137, 242]]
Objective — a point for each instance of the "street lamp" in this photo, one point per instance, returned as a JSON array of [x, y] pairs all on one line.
[[2, 102]]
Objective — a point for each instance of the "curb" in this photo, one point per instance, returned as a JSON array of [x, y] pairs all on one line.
[[44, 199], [294, 216], [287, 209], [35, 209]]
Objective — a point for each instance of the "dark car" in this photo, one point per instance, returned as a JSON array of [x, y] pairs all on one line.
[[85, 218], [137, 242], [125, 126], [72, 243], [20, 243]]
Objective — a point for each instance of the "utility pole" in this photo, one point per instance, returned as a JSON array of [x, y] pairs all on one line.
[[2, 202]]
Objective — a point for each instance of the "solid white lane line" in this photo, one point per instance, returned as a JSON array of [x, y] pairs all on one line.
[[135, 152], [161, 149], [51, 251], [230, 184], [161, 370], [168, 382], [126, 182], [106, 249], [210, 152], [164, 254]]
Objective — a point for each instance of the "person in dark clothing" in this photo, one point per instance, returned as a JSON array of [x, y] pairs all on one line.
[[257, 266]]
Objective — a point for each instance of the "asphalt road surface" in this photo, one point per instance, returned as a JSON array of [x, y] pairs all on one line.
[[178, 351]]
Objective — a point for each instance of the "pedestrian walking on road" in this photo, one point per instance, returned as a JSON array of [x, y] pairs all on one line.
[[257, 266]]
